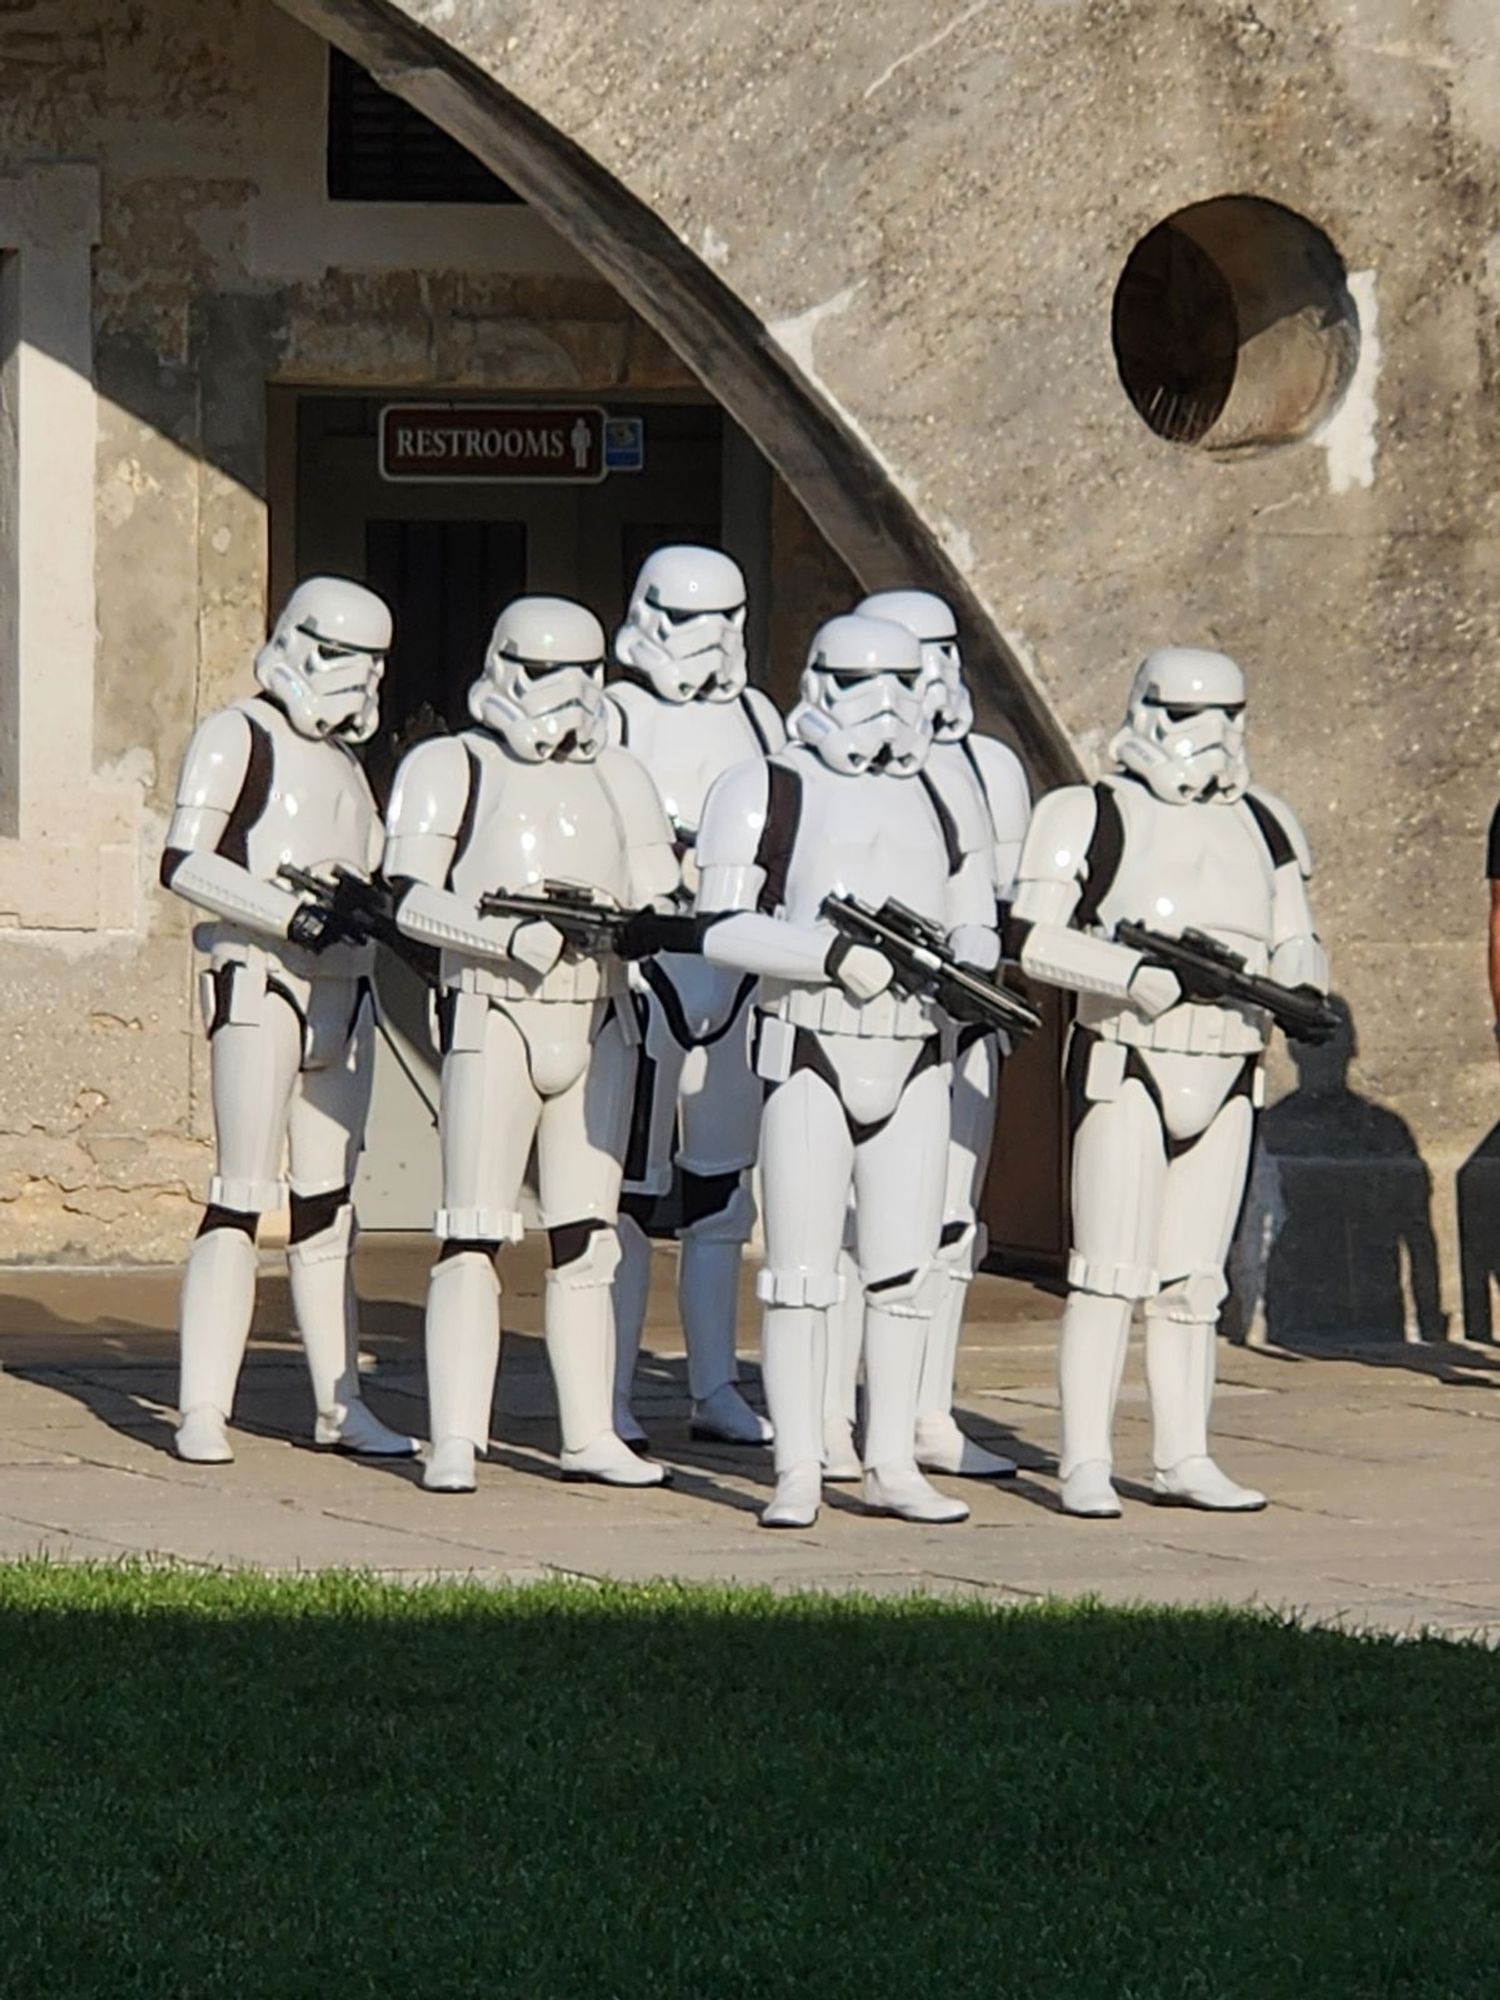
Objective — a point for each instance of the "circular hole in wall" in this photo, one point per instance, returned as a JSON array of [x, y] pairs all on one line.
[[1233, 326]]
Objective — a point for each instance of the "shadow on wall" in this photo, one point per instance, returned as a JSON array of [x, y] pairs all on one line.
[[1336, 1242]]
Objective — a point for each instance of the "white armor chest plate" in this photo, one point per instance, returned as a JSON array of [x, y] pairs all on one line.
[[685, 745], [1189, 867], [318, 809], [876, 838], [871, 837], [534, 823], [1194, 867]]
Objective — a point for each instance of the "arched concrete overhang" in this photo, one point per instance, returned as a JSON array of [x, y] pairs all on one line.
[[836, 474]]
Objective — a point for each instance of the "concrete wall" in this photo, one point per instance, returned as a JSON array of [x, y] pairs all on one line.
[[895, 233]]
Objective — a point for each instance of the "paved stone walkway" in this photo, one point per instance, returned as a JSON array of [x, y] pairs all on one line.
[[1384, 1466]]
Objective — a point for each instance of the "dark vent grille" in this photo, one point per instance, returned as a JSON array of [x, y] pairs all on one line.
[[381, 149]]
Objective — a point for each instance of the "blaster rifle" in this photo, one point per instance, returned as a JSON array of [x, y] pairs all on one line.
[[924, 964], [1209, 971], [595, 929], [346, 909]]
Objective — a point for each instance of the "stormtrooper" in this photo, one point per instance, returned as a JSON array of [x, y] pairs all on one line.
[[537, 1035], [1164, 1085], [961, 759], [857, 1087], [681, 704], [273, 779]]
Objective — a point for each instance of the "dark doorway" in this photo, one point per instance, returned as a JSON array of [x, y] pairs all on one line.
[[445, 581]]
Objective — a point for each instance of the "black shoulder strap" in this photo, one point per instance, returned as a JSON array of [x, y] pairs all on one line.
[[1102, 858], [1272, 832], [255, 790], [778, 836], [748, 708], [471, 807], [945, 822]]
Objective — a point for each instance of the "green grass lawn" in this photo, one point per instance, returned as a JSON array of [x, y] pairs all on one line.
[[238, 1786]]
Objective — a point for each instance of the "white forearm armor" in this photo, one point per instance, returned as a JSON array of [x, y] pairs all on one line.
[[230, 891], [437, 916]]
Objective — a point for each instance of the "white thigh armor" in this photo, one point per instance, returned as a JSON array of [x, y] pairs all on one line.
[[521, 1073]]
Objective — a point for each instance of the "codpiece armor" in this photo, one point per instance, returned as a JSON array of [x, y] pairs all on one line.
[[268, 781], [855, 1072], [1164, 1086], [960, 759], [538, 1038], [681, 704]]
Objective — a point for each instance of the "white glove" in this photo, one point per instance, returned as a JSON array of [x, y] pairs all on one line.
[[860, 969], [1152, 990], [537, 944]]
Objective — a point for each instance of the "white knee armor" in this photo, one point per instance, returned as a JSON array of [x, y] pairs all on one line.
[[857, 1083], [681, 704], [1163, 1086], [538, 1039], [271, 780]]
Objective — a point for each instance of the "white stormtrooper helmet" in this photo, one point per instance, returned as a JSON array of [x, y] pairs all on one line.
[[542, 688], [1184, 731], [325, 657], [867, 700], [931, 618], [685, 628]]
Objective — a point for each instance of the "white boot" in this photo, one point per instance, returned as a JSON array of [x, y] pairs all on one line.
[[218, 1298], [450, 1466], [1198, 1482], [632, 1288], [941, 1445], [793, 1360], [796, 1500], [903, 1491], [355, 1428], [710, 1254], [201, 1437], [893, 1362], [327, 1315], [463, 1352], [841, 1464], [1180, 1366], [578, 1318], [1090, 1362], [1088, 1491], [726, 1418], [846, 1340]]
